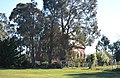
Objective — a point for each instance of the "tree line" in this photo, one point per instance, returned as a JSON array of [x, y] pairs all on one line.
[[106, 53], [51, 32]]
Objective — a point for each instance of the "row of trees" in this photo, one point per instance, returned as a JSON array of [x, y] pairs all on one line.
[[51, 31], [105, 46], [106, 53], [99, 59]]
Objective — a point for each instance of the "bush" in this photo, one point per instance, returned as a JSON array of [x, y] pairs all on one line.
[[118, 63], [10, 57], [116, 70], [55, 65], [92, 60], [102, 58], [44, 65]]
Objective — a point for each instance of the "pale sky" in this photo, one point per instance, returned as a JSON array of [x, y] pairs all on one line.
[[108, 15], [109, 18], [6, 6]]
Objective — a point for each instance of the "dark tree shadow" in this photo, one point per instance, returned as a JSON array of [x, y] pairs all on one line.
[[104, 74]]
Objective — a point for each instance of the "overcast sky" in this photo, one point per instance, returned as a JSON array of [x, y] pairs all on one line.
[[108, 17]]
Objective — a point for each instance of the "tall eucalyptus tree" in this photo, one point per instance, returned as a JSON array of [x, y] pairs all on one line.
[[76, 20], [27, 18]]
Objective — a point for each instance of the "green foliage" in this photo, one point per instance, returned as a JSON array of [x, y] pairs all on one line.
[[117, 55], [10, 56], [82, 60], [115, 49], [118, 63], [4, 27], [99, 58], [28, 19], [103, 44], [102, 58], [92, 60], [49, 31], [76, 20], [55, 66]]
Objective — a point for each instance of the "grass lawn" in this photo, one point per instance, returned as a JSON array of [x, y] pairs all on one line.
[[97, 72]]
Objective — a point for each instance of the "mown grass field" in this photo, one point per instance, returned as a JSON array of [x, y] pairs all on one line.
[[97, 72]]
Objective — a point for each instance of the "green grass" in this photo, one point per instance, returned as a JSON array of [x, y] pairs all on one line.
[[97, 72]]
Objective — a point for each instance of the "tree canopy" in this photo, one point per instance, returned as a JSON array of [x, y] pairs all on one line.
[[103, 44], [115, 48], [52, 31], [76, 20]]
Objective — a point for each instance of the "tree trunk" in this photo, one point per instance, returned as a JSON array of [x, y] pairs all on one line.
[[51, 44], [32, 52], [62, 38]]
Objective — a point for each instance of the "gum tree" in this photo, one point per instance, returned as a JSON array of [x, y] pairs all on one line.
[[76, 20]]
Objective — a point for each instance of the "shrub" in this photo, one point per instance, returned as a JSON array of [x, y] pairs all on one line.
[[10, 56], [102, 58], [92, 60], [55, 65], [44, 65]]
